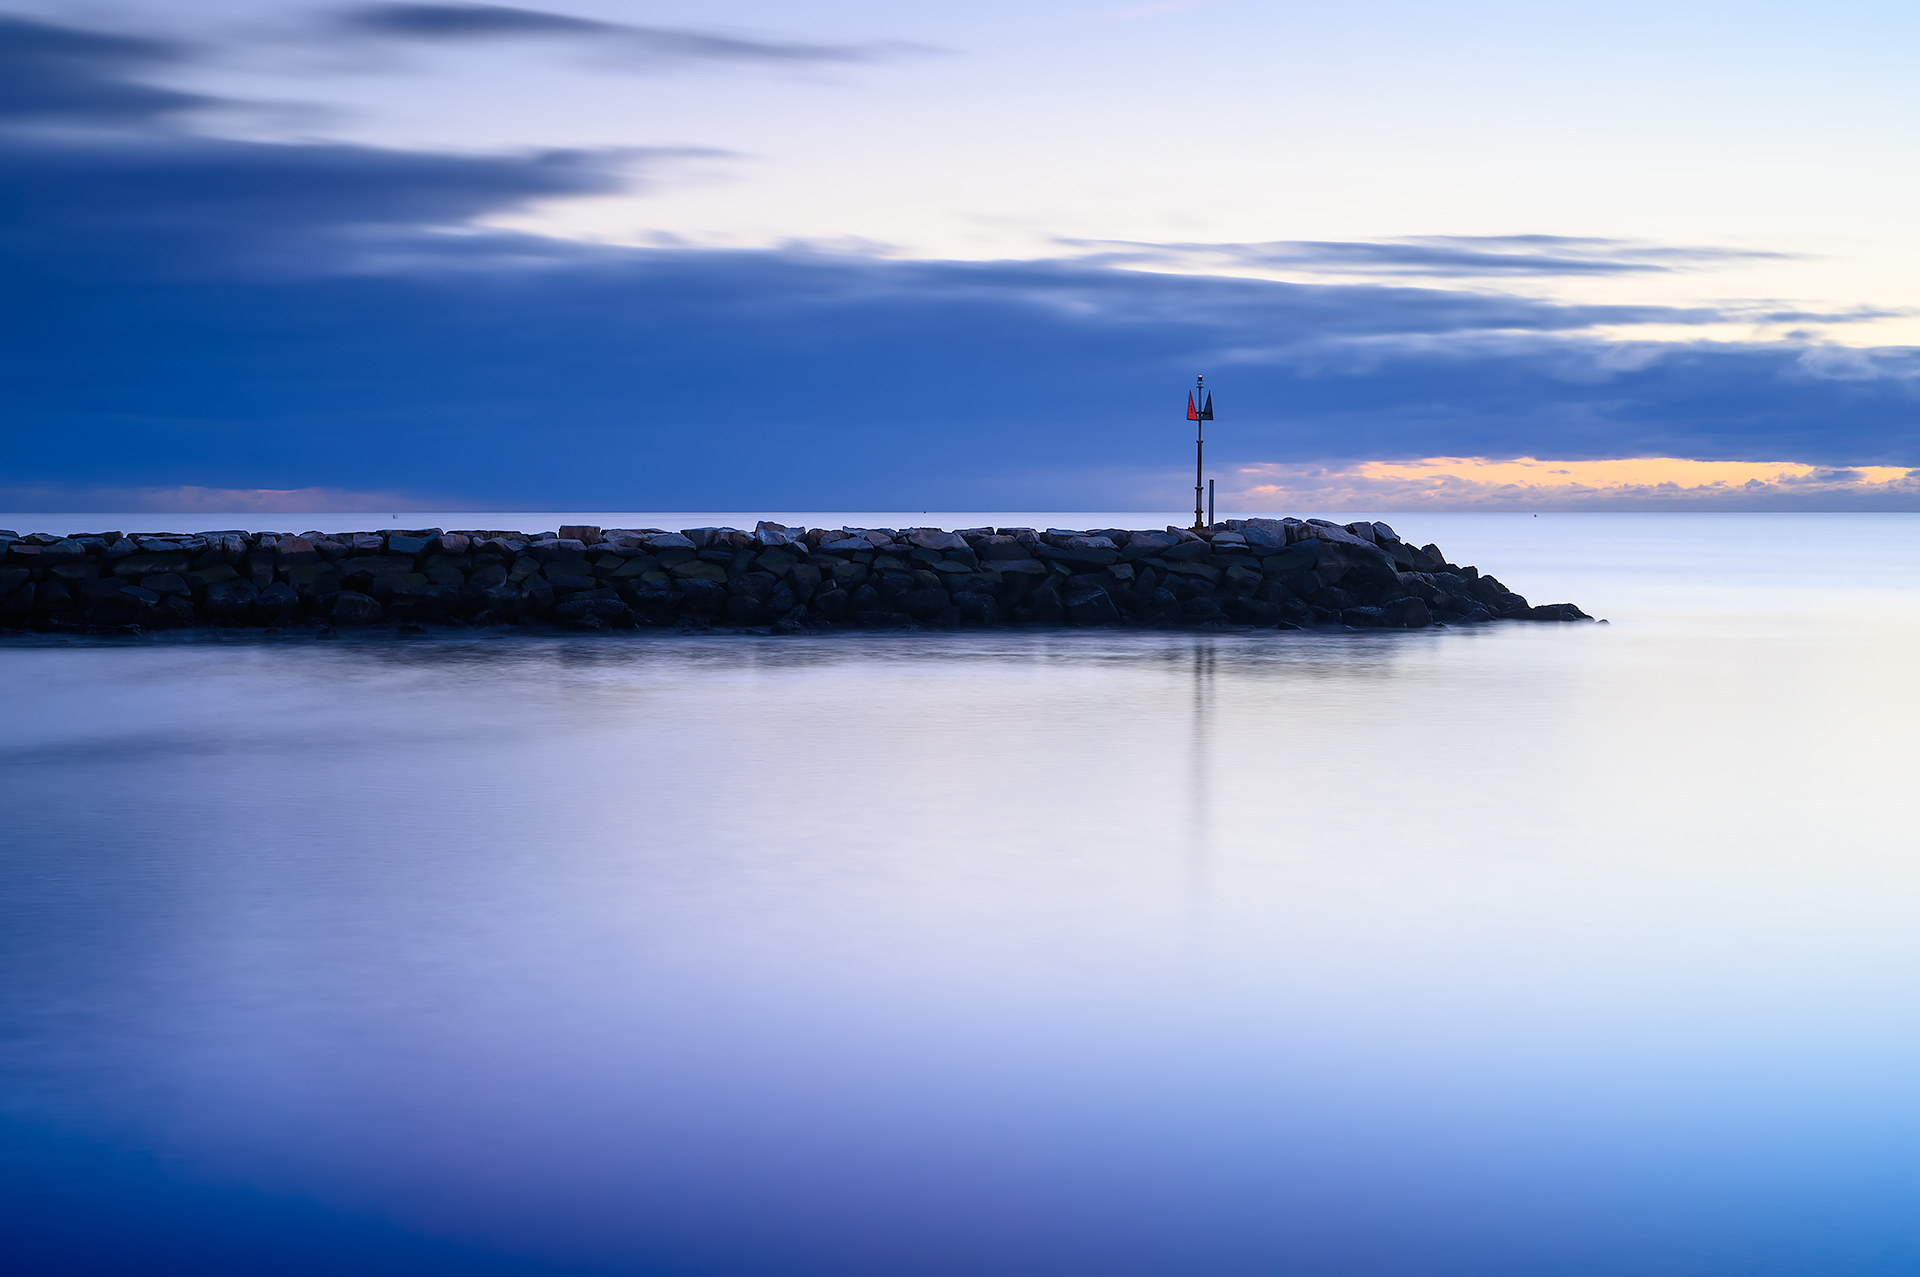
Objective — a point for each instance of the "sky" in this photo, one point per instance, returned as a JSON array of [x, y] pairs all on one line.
[[674, 256]]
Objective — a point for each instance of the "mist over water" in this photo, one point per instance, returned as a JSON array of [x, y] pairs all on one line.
[[1510, 949]]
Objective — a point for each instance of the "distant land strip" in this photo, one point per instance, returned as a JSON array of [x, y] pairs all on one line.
[[1238, 574]]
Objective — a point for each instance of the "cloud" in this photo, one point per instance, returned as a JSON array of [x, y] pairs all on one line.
[[1525, 483], [83, 498], [173, 204], [646, 45], [1446, 256], [394, 344], [69, 75]]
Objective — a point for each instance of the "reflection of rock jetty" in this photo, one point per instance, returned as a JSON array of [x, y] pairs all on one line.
[[1245, 572]]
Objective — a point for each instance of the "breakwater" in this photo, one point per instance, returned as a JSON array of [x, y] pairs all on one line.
[[1271, 573]]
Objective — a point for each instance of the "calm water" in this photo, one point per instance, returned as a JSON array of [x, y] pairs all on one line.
[[1514, 950]]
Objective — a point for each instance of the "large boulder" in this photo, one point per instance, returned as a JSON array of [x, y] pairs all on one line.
[[1141, 545], [1406, 613], [351, 607], [1001, 548], [1090, 607], [1552, 612], [935, 539], [704, 596], [1095, 550], [230, 602], [926, 603], [604, 611]]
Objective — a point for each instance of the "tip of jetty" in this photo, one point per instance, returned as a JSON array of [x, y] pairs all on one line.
[[1266, 573]]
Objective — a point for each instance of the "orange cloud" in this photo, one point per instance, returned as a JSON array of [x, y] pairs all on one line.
[[1618, 483]]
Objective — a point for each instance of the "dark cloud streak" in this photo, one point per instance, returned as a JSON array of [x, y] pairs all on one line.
[[451, 23], [69, 75]]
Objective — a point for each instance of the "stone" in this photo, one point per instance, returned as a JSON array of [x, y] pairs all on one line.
[[63, 551], [980, 608], [831, 603], [935, 539], [277, 602], [229, 601], [423, 603], [1079, 550], [804, 578], [1253, 612], [999, 547], [1045, 604], [1553, 612], [1322, 531], [1186, 551], [559, 550], [294, 552], [135, 566], [610, 612], [584, 533], [925, 603], [699, 570], [165, 583], [1245, 581], [1198, 571], [1202, 609], [1406, 613], [772, 534], [704, 594], [409, 545], [1362, 618], [1090, 607], [753, 585]]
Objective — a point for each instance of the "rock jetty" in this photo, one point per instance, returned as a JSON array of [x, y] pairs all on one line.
[[1271, 573]]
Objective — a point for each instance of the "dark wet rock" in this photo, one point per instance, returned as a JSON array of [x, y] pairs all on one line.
[[351, 608], [706, 597], [1553, 612], [1363, 618], [1090, 607], [831, 604], [611, 612], [229, 602], [1406, 614], [1095, 550], [1046, 605]]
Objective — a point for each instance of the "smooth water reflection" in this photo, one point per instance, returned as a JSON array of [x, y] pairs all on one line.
[[1515, 950]]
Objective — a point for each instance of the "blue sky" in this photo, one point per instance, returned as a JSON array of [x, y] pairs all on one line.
[[674, 256]]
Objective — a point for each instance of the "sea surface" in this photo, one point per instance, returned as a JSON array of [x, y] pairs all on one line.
[[1508, 951]]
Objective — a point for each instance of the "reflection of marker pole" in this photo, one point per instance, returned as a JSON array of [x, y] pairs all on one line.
[[1209, 503]]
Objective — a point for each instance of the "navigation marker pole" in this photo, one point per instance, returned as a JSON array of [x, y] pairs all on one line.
[[1198, 412]]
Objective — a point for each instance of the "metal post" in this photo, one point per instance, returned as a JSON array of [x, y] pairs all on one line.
[[1209, 503], [1199, 385]]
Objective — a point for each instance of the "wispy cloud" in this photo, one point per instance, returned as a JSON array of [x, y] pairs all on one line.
[[1438, 256], [654, 46], [1528, 483], [81, 498], [52, 73]]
